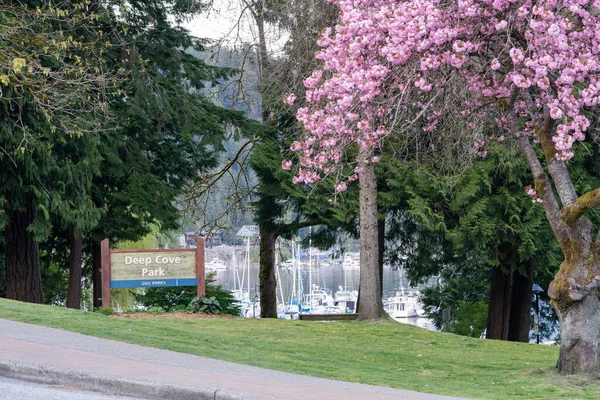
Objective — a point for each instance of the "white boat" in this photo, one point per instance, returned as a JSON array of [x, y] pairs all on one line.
[[345, 300], [317, 301], [215, 264], [403, 305], [351, 260], [288, 265]]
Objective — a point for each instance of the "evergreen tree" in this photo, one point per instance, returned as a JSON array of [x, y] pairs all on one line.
[[479, 231], [52, 90], [166, 135]]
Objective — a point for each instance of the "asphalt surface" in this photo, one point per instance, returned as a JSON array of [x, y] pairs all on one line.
[[11, 389], [56, 357]]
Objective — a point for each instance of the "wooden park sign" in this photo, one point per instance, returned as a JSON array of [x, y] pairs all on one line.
[[152, 268]]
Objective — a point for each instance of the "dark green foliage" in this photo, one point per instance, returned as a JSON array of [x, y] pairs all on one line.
[[205, 305], [458, 227], [166, 298], [471, 318], [105, 310], [121, 181], [458, 285], [178, 298]]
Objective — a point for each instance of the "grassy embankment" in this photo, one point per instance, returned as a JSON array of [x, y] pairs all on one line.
[[387, 354]]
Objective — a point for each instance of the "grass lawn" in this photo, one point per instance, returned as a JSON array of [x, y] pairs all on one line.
[[387, 354]]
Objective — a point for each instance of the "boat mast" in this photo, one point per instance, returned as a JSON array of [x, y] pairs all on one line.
[[248, 265], [300, 299], [294, 267], [310, 286]]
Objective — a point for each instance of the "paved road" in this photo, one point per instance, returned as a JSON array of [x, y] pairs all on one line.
[[58, 357], [11, 389]]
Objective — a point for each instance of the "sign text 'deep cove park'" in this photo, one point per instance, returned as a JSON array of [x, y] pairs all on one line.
[[152, 268]]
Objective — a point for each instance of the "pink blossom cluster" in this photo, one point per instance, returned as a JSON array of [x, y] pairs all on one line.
[[533, 194], [384, 54]]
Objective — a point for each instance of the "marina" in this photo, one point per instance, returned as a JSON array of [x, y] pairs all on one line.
[[334, 286]]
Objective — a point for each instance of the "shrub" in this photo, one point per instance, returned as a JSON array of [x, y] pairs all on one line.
[[204, 304], [178, 298], [105, 310]]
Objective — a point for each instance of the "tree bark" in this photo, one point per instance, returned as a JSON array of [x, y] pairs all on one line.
[[574, 290], [574, 296], [268, 282], [371, 306], [75, 270], [23, 276], [381, 246], [97, 273], [579, 336], [520, 305], [499, 305]]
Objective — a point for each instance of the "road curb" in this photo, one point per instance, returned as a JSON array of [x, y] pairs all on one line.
[[111, 384]]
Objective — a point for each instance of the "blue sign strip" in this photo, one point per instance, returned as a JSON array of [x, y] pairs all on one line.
[[153, 283]]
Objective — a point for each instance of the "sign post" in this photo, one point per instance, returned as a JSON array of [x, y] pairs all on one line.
[[152, 268], [200, 266]]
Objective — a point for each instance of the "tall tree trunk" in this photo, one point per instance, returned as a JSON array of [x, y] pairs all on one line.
[[371, 307], [268, 282], [75, 270], [499, 305], [520, 305], [381, 245], [97, 273], [23, 276]]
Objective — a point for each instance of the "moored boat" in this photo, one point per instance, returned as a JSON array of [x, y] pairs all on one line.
[[215, 264], [403, 305]]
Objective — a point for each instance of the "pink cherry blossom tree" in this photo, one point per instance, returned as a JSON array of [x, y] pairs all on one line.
[[530, 68]]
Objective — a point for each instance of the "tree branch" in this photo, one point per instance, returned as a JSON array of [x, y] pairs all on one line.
[[542, 183], [570, 215], [557, 168]]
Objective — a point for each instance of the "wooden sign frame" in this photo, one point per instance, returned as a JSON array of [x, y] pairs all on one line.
[[106, 267]]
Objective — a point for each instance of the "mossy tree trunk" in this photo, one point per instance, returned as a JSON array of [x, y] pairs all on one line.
[[574, 294], [575, 288]]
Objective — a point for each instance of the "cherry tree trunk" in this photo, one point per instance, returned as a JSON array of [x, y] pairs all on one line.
[[23, 276], [580, 336], [574, 296], [268, 282], [75, 270], [381, 245], [371, 307]]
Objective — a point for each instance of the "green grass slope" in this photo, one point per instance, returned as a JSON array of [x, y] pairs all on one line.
[[386, 354]]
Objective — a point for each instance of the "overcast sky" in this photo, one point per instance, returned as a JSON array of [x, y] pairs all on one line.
[[227, 22]]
